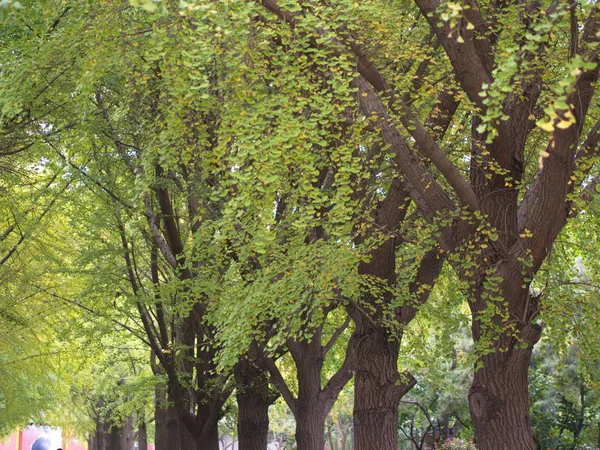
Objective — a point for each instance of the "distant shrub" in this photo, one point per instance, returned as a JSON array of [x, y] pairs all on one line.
[[457, 444]]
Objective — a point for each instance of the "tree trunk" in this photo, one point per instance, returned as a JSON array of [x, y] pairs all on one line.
[[313, 403], [173, 437], [310, 429], [378, 386], [253, 405], [99, 438], [186, 440], [126, 432], [161, 434], [378, 389], [499, 401], [113, 438], [499, 395], [209, 437], [142, 436], [208, 441]]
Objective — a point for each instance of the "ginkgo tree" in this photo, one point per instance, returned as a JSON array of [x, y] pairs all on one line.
[[500, 187], [231, 142]]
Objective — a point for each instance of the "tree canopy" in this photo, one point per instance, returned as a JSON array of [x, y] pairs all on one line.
[[293, 199]]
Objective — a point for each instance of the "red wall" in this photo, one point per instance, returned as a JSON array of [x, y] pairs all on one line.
[[24, 439], [11, 443]]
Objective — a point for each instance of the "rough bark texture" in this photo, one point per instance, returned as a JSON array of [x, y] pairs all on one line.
[[310, 430], [498, 400], [378, 386], [186, 440], [253, 405], [310, 412], [378, 390]]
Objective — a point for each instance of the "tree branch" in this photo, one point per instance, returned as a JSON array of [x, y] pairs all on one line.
[[334, 337], [279, 382]]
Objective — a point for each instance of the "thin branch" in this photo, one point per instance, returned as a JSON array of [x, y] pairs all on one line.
[[340, 378], [417, 404], [338, 332], [96, 313], [574, 45], [156, 234], [12, 250], [39, 219], [88, 177]]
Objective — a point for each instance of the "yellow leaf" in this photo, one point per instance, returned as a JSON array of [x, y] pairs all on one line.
[[470, 26], [546, 126], [460, 40], [564, 124], [526, 233], [531, 117]]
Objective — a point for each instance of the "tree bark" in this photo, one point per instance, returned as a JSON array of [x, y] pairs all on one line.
[[126, 433], [310, 429], [161, 434], [499, 396], [99, 437], [498, 400], [142, 436], [253, 405], [187, 441], [378, 389], [209, 436], [172, 427], [113, 438]]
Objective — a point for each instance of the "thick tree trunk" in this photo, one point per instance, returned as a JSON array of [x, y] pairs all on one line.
[[126, 432], [186, 440], [208, 440], [161, 434], [173, 441], [378, 389], [313, 403], [378, 386], [209, 436], [142, 436], [310, 430], [499, 400], [113, 438], [310, 412], [100, 438], [253, 405]]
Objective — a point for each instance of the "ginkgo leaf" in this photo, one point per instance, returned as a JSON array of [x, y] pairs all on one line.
[[546, 126], [564, 124]]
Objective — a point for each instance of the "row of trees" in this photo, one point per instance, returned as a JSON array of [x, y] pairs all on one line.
[[249, 187]]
